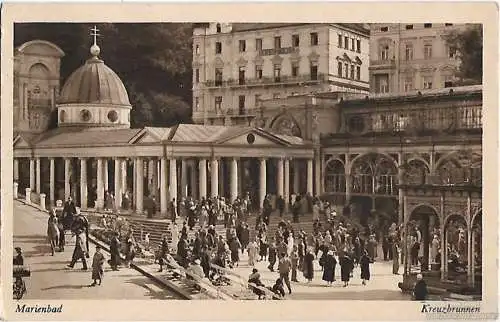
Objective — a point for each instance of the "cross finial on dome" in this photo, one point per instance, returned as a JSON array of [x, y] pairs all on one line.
[[95, 50]]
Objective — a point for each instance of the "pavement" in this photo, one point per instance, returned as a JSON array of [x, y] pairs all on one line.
[[50, 279], [383, 285]]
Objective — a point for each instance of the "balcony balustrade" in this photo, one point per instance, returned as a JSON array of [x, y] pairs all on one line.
[[267, 81]]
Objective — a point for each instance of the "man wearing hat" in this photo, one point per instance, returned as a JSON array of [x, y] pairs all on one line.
[[81, 250]]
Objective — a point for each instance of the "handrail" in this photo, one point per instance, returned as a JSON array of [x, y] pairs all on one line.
[[171, 262], [244, 282]]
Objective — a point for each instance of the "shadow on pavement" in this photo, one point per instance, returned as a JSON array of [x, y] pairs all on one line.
[[361, 294], [67, 287], [153, 294]]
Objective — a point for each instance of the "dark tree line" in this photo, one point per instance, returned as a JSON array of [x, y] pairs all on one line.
[[153, 61], [469, 46]]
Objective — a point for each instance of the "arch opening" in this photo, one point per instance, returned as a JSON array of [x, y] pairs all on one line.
[[424, 239]]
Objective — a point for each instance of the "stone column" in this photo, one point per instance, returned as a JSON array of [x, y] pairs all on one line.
[[16, 169], [163, 186], [32, 174], [42, 201], [296, 177], [154, 179], [286, 190], [400, 190], [348, 180], [118, 183], [140, 183], [203, 177], [67, 174], [83, 183], [28, 195], [52, 190], [99, 204], [38, 177], [194, 179], [173, 179], [106, 174], [318, 189], [184, 187], [124, 175], [262, 181], [280, 179], [234, 180], [214, 179], [134, 188], [310, 175]]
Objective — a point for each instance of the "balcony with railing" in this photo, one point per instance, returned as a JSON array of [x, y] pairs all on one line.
[[268, 81], [382, 64], [279, 51]]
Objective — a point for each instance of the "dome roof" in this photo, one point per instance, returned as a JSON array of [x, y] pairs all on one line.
[[94, 83]]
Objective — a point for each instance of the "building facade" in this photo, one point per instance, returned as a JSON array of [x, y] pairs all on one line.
[[235, 66], [411, 57], [36, 85]]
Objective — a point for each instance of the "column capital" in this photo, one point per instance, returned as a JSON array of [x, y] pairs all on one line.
[[83, 158], [263, 159]]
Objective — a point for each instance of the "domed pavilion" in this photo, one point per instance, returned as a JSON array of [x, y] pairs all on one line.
[[94, 150]]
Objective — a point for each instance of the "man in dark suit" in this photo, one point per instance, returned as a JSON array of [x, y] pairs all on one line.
[[80, 251], [69, 211]]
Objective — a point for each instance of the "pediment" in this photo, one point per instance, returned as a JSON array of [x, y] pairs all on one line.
[[314, 56], [253, 138], [145, 136], [219, 63], [20, 142], [241, 62], [277, 60], [259, 60]]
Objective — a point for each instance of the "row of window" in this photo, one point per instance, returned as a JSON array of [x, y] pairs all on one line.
[[241, 102], [382, 83], [409, 50], [313, 72], [242, 44], [349, 43], [343, 70], [410, 27]]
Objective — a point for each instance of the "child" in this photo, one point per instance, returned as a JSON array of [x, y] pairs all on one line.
[[97, 269]]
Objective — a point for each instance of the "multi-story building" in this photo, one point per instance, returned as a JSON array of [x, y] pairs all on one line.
[[410, 57], [237, 65]]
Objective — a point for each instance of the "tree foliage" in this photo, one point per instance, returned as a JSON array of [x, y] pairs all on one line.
[[469, 45], [153, 61]]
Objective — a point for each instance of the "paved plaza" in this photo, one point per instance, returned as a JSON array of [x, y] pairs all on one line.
[[383, 285], [50, 279]]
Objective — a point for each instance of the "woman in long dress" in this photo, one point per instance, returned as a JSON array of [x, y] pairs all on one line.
[[329, 268], [434, 249], [364, 263], [175, 236], [345, 268], [252, 253], [290, 243], [309, 266]]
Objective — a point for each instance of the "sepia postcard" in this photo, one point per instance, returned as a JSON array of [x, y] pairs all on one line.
[[237, 161]]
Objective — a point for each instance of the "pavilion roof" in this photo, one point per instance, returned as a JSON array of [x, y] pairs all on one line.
[[182, 133]]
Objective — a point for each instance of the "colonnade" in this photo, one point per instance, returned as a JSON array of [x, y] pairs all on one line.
[[162, 177]]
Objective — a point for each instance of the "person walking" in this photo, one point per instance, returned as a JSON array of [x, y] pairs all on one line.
[[329, 268], [163, 252], [294, 259], [364, 263], [272, 256], [97, 269], [345, 268], [252, 253], [309, 265], [284, 270], [80, 251], [114, 248], [280, 205], [53, 231]]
